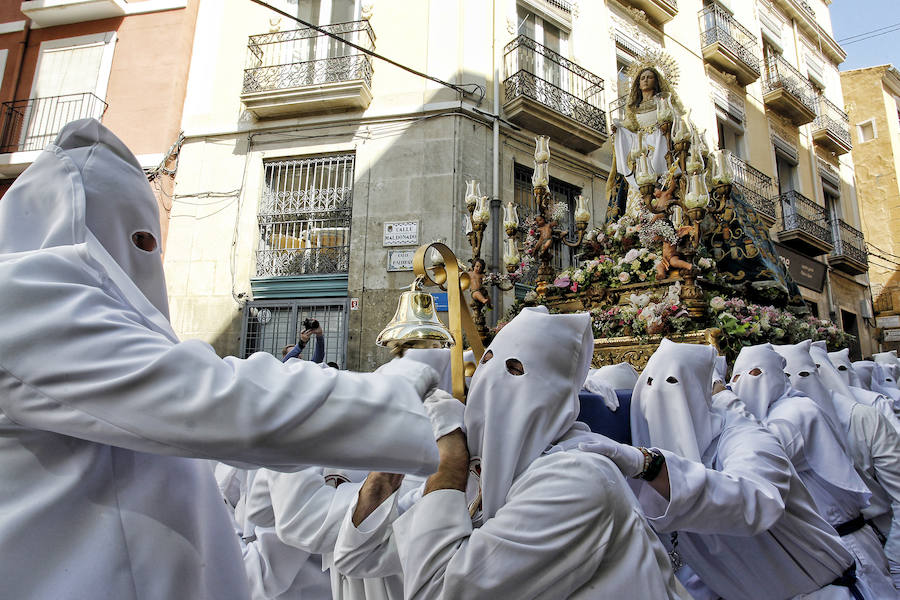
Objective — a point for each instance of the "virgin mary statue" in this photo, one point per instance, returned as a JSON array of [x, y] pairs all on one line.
[[651, 106]]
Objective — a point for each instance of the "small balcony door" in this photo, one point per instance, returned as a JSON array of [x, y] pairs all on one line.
[[67, 70]]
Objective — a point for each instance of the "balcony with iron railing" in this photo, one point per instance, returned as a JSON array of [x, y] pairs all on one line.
[[304, 71], [831, 129], [551, 95], [659, 11], [728, 45], [804, 224], [757, 189], [849, 254], [33, 123], [617, 108], [787, 91]]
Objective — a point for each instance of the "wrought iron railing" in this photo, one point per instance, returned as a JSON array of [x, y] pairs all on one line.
[[780, 74], [537, 72], [562, 5], [304, 217], [617, 107], [718, 25], [799, 213], [33, 123], [302, 57], [833, 119], [849, 242], [756, 187]]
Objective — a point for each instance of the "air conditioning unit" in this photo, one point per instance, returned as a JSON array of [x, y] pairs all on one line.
[[865, 309]]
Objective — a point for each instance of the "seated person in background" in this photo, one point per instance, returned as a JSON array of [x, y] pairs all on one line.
[[530, 515], [725, 494]]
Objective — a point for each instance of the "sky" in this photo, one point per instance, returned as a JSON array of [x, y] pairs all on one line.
[[852, 17]]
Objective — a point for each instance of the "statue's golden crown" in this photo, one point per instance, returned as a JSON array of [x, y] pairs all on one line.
[[660, 60]]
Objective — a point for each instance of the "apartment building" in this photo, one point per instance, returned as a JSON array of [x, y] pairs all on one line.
[[124, 62], [873, 102], [310, 170]]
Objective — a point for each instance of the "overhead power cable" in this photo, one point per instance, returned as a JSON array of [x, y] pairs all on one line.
[[865, 33], [874, 35], [473, 89]]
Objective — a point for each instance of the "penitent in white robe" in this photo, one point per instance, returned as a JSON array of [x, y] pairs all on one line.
[[309, 510], [745, 525], [553, 538], [104, 413]]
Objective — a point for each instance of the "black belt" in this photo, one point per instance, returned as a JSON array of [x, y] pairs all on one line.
[[851, 526], [877, 531], [848, 580]]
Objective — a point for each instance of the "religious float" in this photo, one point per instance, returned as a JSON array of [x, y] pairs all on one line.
[[681, 254]]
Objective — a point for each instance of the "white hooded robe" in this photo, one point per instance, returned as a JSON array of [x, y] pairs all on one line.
[[103, 412]]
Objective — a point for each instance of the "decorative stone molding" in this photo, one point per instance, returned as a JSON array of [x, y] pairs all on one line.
[[367, 9]]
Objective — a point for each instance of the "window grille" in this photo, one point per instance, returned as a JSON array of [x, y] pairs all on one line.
[[304, 216], [270, 325], [523, 196]]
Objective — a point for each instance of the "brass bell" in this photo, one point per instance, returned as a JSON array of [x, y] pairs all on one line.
[[415, 324]]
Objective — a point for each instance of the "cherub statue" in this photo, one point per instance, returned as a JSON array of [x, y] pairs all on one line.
[[476, 283], [670, 258], [545, 240]]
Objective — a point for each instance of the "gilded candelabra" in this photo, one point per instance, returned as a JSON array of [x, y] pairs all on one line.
[[684, 198], [546, 220], [476, 222]]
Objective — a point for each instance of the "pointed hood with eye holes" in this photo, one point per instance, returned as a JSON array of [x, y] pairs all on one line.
[[512, 419], [890, 366], [670, 407], [759, 392], [770, 397], [841, 361], [873, 378], [804, 376], [88, 191]]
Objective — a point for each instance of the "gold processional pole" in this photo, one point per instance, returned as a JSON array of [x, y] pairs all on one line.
[[416, 324]]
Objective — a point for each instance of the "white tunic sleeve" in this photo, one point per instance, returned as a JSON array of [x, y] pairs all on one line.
[[877, 449], [95, 371], [271, 566], [308, 512], [744, 495], [569, 522], [369, 550]]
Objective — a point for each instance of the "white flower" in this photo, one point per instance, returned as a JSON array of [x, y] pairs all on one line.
[[704, 263], [717, 303], [624, 277], [632, 254], [639, 300]]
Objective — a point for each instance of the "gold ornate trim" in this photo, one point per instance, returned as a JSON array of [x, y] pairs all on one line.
[[637, 351]]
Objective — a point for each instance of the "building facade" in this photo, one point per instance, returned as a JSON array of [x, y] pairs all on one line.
[[123, 62], [310, 169], [873, 101]]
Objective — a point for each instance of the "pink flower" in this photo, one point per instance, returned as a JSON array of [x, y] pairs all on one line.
[[575, 287]]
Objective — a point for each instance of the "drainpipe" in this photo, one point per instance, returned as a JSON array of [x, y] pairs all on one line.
[[495, 176]]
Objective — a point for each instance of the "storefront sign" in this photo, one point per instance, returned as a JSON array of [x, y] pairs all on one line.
[[804, 271], [400, 260], [401, 233]]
